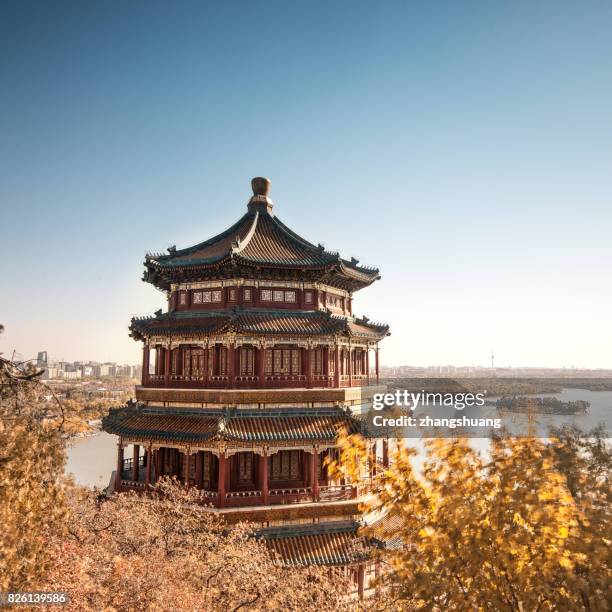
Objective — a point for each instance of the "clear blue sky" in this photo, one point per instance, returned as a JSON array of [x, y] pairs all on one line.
[[465, 148]]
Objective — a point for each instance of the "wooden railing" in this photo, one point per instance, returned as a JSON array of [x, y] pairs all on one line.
[[323, 380], [234, 499], [127, 466], [286, 495], [290, 495], [247, 381], [271, 381], [217, 381], [209, 494], [132, 485], [336, 492]]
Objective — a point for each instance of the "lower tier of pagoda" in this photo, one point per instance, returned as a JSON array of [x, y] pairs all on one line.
[[235, 457], [244, 479]]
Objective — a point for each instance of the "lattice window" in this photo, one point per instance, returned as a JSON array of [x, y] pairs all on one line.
[[247, 295], [289, 296], [268, 361], [279, 296], [206, 466], [358, 362], [295, 361], [176, 364], [275, 466], [222, 360], [197, 363], [266, 295], [182, 298], [206, 297], [245, 468], [317, 366], [247, 362], [278, 362], [285, 465], [216, 296], [308, 297], [197, 297], [232, 295]]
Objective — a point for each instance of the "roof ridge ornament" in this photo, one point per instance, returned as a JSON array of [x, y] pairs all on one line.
[[260, 202]]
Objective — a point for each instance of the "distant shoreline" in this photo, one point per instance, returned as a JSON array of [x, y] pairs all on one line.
[[497, 386]]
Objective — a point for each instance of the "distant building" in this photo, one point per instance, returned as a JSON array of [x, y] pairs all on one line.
[[69, 374], [42, 360], [86, 370]]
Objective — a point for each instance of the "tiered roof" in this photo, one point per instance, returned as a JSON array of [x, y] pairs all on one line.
[[273, 425], [258, 244], [333, 543], [255, 322]]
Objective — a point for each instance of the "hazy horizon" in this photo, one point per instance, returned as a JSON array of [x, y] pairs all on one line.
[[462, 149]]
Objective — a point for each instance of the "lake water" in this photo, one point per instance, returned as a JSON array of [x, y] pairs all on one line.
[[92, 459]]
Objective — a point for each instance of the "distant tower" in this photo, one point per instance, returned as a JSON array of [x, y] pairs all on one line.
[[492, 361], [41, 360]]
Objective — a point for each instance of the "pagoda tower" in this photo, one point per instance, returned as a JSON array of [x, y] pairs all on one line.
[[247, 378]]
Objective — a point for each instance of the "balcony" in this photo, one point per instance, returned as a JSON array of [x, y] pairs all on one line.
[[244, 499], [271, 381]]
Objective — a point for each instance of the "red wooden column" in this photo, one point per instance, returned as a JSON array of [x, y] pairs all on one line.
[[221, 480], [373, 459], [337, 366], [186, 465], [119, 466], [231, 365], [367, 364], [377, 371], [385, 451], [350, 366], [145, 364], [199, 472], [135, 459], [314, 474], [263, 477], [261, 365], [213, 359], [360, 580], [308, 353], [206, 365], [159, 464], [149, 460], [326, 364], [167, 366]]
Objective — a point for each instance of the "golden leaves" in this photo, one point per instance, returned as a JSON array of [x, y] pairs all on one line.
[[512, 530]]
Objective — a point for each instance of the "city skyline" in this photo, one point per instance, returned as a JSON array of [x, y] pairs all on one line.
[[465, 154]]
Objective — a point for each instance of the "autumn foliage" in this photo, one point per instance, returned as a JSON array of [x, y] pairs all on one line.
[[166, 552], [525, 528], [33, 432]]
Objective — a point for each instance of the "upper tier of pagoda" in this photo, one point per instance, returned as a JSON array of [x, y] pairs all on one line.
[[258, 246]]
